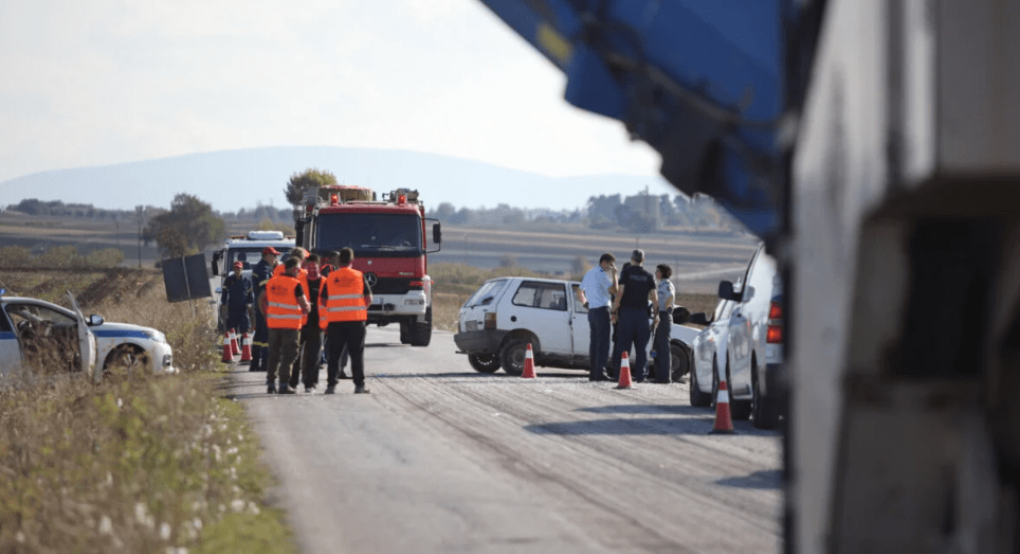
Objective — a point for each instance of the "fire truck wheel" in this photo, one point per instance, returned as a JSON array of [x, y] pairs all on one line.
[[420, 334], [405, 332]]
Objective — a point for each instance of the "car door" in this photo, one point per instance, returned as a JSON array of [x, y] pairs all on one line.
[[713, 343], [579, 329], [541, 307], [52, 340], [86, 342], [10, 351]]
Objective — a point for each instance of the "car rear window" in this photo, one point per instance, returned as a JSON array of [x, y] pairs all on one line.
[[486, 293], [551, 296]]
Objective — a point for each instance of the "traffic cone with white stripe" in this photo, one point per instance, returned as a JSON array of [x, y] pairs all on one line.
[[723, 422], [624, 382], [245, 348], [228, 353], [233, 342], [529, 364]]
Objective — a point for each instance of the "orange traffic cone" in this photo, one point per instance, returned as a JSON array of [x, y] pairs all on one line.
[[529, 364], [624, 382], [233, 342], [228, 353], [245, 348], [723, 422]]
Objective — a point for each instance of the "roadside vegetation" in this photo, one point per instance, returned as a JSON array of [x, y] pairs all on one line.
[[453, 284], [137, 463]]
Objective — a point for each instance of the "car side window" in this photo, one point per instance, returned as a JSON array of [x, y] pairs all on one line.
[[578, 306], [5, 324], [549, 296]]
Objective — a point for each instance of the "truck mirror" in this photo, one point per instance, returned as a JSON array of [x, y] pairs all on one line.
[[681, 315], [437, 234], [726, 290]]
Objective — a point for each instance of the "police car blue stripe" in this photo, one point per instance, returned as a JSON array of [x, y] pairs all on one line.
[[8, 335], [120, 334]]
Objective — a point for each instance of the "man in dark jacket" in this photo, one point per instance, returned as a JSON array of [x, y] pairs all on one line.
[[260, 275], [310, 339], [637, 288], [236, 295]]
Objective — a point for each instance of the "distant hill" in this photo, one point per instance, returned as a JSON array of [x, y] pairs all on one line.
[[235, 179]]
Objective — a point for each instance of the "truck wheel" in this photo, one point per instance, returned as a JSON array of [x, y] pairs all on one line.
[[764, 410], [420, 334], [511, 357], [484, 363], [739, 409], [405, 332], [679, 363], [698, 398]]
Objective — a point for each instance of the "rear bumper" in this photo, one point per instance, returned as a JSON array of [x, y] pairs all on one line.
[[775, 380], [479, 342]]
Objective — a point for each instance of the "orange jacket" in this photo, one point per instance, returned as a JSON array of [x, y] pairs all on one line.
[[283, 311], [346, 301]]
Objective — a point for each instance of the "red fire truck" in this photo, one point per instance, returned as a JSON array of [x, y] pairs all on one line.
[[390, 248]]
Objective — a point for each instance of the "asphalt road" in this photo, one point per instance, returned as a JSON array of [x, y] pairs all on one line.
[[442, 459]]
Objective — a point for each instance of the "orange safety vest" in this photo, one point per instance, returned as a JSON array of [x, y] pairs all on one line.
[[282, 308], [346, 300]]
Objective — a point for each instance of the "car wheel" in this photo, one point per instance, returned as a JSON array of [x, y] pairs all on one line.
[[484, 363], [698, 398], [765, 410], [511, 357], [739, 409], [126, 359], [679, 362]]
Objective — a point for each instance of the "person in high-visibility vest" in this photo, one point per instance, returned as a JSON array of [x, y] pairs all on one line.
[[285, 305], [344, 299]]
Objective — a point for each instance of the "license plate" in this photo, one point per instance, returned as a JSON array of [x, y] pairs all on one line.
[[472, 326]]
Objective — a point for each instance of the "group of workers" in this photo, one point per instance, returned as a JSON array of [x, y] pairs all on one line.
[[296, 303], [618, 304]]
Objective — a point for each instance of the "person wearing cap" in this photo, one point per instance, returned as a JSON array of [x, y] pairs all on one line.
[[285, 305], [637, 288], [236, 296], [260, 275]]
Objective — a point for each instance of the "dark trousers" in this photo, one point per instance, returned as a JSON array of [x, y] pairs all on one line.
[[349, 336], [634, 332], [283, 346], [598, 342], [237, 318], [663, 358], [260, 344], [309, 348]]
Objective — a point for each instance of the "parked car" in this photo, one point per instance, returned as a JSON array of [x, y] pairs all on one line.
[[743, 340], [505, 314], [30, 327], [31, 333]]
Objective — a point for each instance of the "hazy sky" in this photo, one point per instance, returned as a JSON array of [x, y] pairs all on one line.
[[98, 82]]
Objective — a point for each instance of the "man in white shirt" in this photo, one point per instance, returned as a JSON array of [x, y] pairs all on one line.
[[595, 292]]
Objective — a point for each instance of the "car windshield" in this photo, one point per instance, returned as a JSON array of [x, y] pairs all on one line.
[[249, 256], [486, 293], [378, 235]]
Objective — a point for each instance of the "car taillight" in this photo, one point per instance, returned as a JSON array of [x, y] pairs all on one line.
[[490, 320], [774, 335]]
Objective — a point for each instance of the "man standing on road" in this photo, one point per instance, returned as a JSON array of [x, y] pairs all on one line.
[[345, 297], [284, 303], [595, 290], [663, 323], [310, 345], [333, 260], [237, 296], [637, 287], [260, 275]]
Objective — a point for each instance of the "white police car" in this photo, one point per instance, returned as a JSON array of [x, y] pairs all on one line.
[[36, 330]]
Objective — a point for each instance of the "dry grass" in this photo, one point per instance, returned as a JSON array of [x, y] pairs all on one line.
[[137, 463]]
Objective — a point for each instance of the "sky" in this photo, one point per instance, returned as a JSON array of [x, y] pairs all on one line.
[[112, 81]]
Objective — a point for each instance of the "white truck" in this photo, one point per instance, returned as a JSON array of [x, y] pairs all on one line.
[[875, 144], [247, 249]]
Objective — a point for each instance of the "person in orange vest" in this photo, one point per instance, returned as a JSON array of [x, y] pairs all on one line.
[[285, 305], [310, 346], [332, 260], [297, 252], [344, 299]]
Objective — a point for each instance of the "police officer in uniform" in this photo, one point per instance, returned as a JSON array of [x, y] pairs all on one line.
[[637, 288], [344, 299], [237, 296], [260, 275]]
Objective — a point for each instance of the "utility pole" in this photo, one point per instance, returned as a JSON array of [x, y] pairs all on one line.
[[141, 211]]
